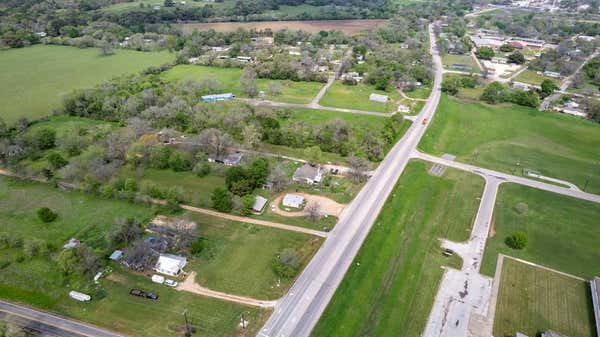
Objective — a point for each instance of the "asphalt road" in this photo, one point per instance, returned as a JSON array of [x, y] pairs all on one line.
[[299, 310], [48, 324]]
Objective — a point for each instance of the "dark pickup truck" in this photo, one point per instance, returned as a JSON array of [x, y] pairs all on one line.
[[140, 293]]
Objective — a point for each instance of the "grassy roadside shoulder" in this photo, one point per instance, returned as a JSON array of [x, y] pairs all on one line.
[[390, 287]]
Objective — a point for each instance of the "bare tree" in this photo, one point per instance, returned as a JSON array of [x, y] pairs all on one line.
[[214, 142], [124, 232], [251, 136], [358, 168], [248, 82], [278, 178], [138, 126], [313, 211]]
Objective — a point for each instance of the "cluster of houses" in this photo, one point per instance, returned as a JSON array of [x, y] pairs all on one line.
[[490, 38]]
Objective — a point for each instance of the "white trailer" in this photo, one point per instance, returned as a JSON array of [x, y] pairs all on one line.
[[79, 296]]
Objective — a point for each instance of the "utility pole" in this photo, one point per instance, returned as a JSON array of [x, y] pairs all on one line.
[[188, 332]]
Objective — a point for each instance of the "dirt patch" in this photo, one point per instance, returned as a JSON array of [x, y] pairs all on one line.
[[328, 206], [492, 232], [347, 26], [117, 278]]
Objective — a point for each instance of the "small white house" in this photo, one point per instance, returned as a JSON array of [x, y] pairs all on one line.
[[170, 264], [259, 204], [293, 200], [378, 98], [403, 108]]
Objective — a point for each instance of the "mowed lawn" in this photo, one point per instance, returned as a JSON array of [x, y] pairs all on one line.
[[34, 80], [513, 139], [229, 78], [390, 287], [39, 282], [357, 97], [450, 59], [532, 77], [533, 299], [562, 231], [238, 257]]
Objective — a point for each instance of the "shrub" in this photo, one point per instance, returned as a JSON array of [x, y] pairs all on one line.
[[201, 169], [197, 247], [9, 241], [4, 264], [517, 241], [221, 200], [179, 161], [56, 160], [34, 247], [286, 265], [46, 214]]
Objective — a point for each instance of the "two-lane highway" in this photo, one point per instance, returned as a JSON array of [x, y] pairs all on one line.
[[297, 313]]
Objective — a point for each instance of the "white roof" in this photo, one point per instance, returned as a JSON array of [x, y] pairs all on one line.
[[378, 98], [293, 200], [259, 203], [170, 264]]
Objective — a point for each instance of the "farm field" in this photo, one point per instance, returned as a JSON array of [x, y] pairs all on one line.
[[238, 257], [347, 26], [532, 299], [562, 231], [531, 77], [34, 80], [498, 137], [449, 59], [357, 97], [291, 92], [37, 281], [391, 285]]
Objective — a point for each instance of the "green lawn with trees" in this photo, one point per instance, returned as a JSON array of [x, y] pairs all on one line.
[[240, 258], [390, 287], [513, 139], [34, 80], [532, 77], [561, 231], [357, 97], [35, 276], [532, 299], [229, 81]]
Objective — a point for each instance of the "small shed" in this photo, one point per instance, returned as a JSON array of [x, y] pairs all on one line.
[[259, 204], [72, 243], [403, 108], [169, 264], [116, 255], [379, 98], [293, 200]]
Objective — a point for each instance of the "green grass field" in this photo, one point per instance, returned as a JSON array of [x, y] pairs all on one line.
[[562, 231], [239, 256], [34, 80], [532, 77], [391, 285], [357, 97], [38, 281], [421, 92], [499, 137], [449, 59], [532, 299], [291, 92]]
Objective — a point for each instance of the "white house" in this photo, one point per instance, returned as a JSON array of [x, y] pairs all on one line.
[[378, 98], [170, 264], [403, 108], [259, 204], [293, 200], [308, 174]]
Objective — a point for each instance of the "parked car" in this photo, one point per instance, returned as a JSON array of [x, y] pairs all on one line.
[[171, 283], [158, 279], [141, 293]]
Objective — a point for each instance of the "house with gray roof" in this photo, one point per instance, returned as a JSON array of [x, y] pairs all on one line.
[[308, 174]]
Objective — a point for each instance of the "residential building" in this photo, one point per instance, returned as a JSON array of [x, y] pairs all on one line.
[[574, 112], [259, 204], [308, 174], [379, 98], [116, 255], [218, 97], [500, 60], [232, 159], [460, 66], [551, 74], [403, 108], [245, 59], [169, 264], [293, 200]]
